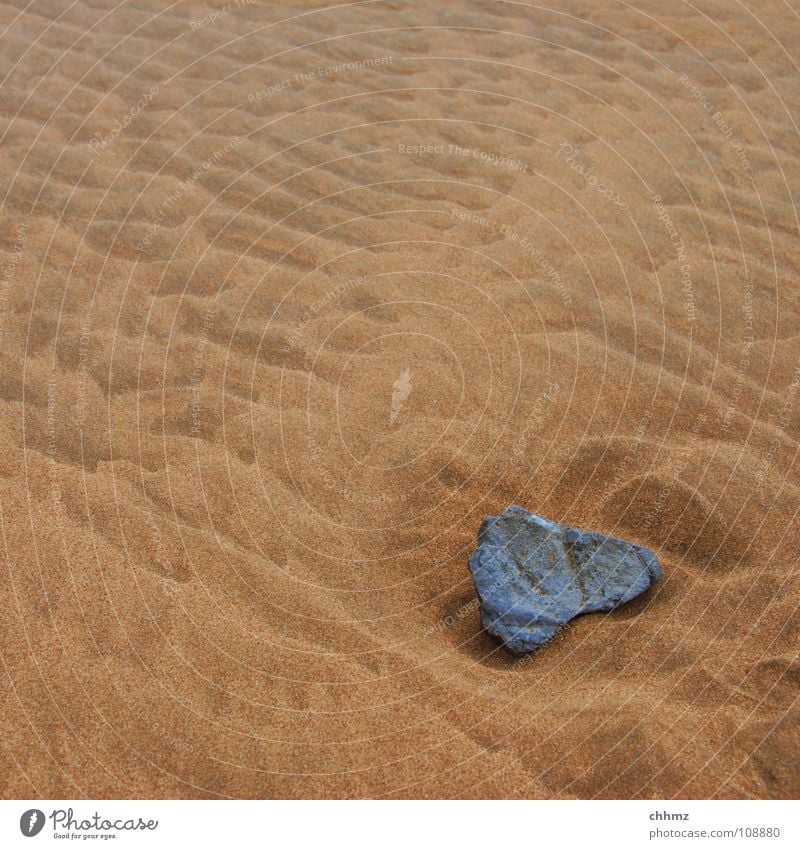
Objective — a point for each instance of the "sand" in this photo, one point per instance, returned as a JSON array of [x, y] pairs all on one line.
[[293, 296]]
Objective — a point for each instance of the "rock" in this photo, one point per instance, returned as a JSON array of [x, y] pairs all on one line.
[[532, 576]]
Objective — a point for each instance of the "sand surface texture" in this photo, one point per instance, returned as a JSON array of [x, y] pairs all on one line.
[[293, 296]]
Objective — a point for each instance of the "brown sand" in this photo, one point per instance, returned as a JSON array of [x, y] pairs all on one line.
[[235, 566]]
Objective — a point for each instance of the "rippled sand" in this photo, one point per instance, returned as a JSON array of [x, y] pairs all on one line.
[[293, 296]]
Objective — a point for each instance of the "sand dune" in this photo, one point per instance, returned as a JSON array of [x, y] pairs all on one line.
[[294, 295]]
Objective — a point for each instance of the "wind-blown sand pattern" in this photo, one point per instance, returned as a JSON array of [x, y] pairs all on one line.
[[234, 566]]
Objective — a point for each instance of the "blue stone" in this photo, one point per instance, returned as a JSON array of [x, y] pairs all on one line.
[[532, 576]]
